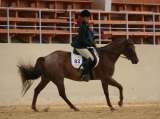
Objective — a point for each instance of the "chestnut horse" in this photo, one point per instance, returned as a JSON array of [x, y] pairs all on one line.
[[57, 66]]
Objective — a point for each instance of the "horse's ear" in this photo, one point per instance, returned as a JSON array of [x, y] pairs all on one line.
[[131, 37]]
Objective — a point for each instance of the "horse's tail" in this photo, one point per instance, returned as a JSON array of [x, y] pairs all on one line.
[[28, 73]]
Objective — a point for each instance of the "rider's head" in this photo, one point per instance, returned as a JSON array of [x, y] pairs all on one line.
[[85, 15]]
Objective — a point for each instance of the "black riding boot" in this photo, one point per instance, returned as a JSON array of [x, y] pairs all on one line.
[[86, 70]]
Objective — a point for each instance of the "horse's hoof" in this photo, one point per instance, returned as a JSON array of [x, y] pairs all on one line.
[[112, 109], [120, 104], [76, 109], [35, 109], [46, 110]]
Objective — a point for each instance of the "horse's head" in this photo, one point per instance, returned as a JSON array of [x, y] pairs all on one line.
[[130, 52]]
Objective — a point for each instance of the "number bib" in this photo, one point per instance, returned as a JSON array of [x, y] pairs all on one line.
[[76, 60]]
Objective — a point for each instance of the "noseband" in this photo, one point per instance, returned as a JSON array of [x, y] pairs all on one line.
[[127, 53]]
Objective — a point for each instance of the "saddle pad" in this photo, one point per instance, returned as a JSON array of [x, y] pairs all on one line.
[[77, 60]]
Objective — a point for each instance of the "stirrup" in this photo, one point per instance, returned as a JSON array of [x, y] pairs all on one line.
[[84, 78]]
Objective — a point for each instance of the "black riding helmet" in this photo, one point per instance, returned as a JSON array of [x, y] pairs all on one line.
[[85, 13]]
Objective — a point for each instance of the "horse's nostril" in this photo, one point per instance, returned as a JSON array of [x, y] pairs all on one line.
[[134, 62]]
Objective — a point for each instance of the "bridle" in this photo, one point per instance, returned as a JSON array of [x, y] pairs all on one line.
[[125, 49], [128, 56]]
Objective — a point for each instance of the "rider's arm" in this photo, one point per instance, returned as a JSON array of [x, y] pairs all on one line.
[[82, 36]]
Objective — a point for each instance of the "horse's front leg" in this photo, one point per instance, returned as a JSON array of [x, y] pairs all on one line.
[[105, 89], [112, 82]]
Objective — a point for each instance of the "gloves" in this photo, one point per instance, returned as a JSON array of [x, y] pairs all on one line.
[[94, 45]]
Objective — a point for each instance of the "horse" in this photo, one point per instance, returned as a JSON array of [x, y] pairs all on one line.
[[57, 66]]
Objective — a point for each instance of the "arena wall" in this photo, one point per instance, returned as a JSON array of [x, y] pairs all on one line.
[[141, 82]]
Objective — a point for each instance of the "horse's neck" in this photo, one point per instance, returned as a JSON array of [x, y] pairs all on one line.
[[114, 50]]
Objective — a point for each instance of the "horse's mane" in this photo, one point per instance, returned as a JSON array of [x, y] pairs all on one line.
[[109, 44]]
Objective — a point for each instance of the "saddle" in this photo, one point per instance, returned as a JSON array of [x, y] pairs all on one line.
[[78, 61]]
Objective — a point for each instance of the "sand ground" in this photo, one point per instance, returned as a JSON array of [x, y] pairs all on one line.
[[91, 111]]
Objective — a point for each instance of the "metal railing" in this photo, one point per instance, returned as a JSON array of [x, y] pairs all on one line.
[[99, 27]]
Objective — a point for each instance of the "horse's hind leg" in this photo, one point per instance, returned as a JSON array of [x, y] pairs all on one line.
[[37, 90], [61, 88]]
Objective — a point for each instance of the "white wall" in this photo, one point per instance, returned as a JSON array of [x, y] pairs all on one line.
[[108, 5], [102, 5], [141, 82]]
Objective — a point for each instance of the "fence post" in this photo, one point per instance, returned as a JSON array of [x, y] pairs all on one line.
[[99, 26], [8, 29], [154, 33], [127, 25], [40, 27], [70, 24]]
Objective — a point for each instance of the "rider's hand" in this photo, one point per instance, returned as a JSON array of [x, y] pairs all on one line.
[[94, 45]]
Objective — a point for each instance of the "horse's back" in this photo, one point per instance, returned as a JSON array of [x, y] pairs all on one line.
[[57, 60], [57, 57], [59, 63]]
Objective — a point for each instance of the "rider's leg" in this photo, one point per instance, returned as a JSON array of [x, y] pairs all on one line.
[[86, 70], [85, 53]]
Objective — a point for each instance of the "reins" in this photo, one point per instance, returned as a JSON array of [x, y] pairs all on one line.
[[114, 53], [117, 55]]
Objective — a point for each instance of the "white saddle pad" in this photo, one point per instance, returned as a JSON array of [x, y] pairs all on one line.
[[77, 60]]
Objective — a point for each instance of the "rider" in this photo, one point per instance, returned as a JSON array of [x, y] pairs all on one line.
[[82, 42], [79, 21]]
